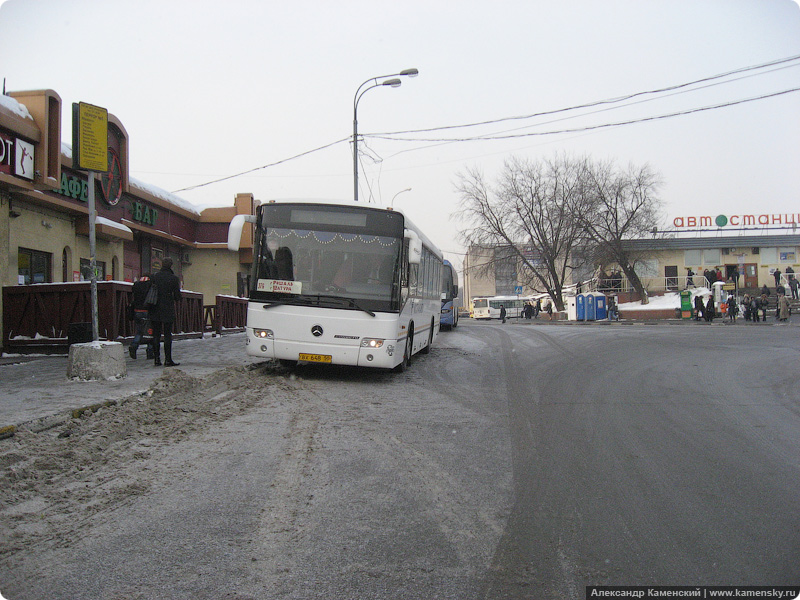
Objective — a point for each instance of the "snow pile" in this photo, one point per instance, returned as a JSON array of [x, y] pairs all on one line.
[[165, 195], [113, 224], [15, 107], [151, 189], [665, 302]]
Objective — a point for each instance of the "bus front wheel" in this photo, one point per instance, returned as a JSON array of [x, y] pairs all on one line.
[[406, 362]]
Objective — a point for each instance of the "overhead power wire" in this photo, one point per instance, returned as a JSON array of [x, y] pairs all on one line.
[[585, 128], [597, 102], [642, 101], [306, 153]]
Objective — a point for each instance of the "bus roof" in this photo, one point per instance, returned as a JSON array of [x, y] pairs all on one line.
[[363, 205]]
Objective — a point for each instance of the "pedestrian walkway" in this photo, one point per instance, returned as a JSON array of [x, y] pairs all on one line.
[[35, 391]]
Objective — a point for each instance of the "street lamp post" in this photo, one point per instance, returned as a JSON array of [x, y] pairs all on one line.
[[379, 81]]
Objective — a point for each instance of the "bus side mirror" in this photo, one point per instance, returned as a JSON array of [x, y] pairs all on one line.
[[235, 230], [455, 291], [414, 247]]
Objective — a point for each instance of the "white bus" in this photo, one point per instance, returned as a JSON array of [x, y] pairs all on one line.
[[489, 307], [340, 283]]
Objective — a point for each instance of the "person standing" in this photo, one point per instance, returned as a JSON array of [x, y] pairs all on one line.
[[746, 307], [162, 314], [777, 275], [733, 308], [139, 315], [503, 313], [698, 307], [783, 308], [793, 286], [613, 311], [709, 313]]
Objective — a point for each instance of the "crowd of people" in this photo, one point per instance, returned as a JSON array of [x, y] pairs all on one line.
[[608, 282], [532, 309], [751, 307]]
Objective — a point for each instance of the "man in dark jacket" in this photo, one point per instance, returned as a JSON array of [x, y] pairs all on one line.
[[139, 314], [162, 315]]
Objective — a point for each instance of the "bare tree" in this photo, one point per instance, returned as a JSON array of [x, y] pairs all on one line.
[[625, 206], [535, 213]]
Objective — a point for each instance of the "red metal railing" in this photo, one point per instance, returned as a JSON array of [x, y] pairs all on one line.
[[39, 315], [228, 313]]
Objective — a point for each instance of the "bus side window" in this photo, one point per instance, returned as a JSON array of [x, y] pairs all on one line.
[[405, 275]]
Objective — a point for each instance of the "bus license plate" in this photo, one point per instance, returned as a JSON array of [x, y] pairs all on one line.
[[319, 358]]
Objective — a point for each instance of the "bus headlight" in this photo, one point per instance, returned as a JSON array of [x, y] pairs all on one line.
[[263, 333], [371, 343]]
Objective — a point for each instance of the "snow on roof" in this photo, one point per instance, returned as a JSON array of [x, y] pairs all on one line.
[[15, 107], [66, 150], [165, 195], [114, 224]]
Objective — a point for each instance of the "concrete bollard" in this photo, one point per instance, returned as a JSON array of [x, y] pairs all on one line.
[[97, 360]]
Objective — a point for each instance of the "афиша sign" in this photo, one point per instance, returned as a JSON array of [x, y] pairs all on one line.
[[738, 220]]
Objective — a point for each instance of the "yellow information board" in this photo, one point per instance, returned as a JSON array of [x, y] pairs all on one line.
[[90, 137]]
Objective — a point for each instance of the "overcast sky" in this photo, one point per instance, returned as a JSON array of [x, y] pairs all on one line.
[[210, 89]]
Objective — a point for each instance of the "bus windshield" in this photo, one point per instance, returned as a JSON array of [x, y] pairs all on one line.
[[330, 260]]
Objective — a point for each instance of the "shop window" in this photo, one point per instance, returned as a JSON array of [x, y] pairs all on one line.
[[712, 257], [86, 270], [692, 257], [769, 256], [34, 266], [646, 267], [66, 264]]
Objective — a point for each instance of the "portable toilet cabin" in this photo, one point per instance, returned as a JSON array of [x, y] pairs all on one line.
[[591, 307], [580, 307], [572, 308], [601, 306]]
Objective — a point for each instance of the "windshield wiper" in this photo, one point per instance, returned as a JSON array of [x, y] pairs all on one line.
[[354, 304], [319, 299]]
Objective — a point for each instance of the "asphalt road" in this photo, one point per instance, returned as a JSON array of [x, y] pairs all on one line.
[[515, 461], [649, 456]]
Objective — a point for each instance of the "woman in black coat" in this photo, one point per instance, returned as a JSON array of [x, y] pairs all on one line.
[[698, 307]]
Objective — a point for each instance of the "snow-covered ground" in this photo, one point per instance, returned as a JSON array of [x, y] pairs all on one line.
[[670, 300]]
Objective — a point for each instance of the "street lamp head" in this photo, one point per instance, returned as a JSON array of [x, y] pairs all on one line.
[[392, 82], [410, 72]]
